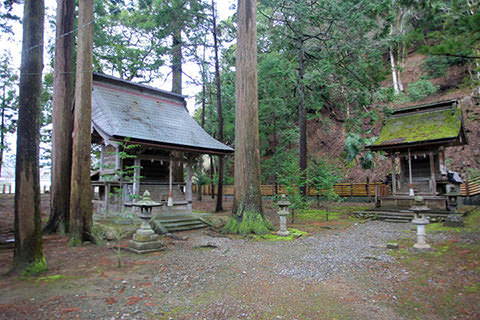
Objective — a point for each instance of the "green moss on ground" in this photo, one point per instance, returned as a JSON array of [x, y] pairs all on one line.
[[36, 267], [294, 234], [251, 222], [471, 221]]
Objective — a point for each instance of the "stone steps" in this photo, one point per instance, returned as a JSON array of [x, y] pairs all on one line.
[[399, 216], [183, 223]]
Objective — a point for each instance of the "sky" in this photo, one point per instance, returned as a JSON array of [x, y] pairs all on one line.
[[225, 8]]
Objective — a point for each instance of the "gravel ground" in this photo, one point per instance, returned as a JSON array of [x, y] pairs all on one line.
[[211, 277]]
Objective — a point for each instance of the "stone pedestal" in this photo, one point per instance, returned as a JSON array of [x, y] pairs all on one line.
[[283, 212], [454, 220], [421, 222], [283, 224], [145, 240]]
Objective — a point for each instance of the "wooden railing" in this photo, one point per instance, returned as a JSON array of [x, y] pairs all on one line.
[[342, 189], [470, 187]]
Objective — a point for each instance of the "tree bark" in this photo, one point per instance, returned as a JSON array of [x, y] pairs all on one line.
[[218, 206], [302, 114], [2, 128], [177, 61], [247, 145], [81, 194], [62, 119], [396, 89], [28, 253]]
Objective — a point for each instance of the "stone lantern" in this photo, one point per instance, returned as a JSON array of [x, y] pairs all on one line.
[[283, 205], [145, 239], [453, 219], [419, 208]]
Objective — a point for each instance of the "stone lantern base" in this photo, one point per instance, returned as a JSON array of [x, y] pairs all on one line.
[[145, 241]]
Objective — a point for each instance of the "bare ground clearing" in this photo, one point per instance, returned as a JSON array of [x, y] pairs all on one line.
[[341, 271]]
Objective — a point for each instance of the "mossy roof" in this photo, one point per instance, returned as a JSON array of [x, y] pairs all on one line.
[[421, 125]]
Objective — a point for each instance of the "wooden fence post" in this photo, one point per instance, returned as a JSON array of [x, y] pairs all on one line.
[[368, 189], [467, 187], [351, 189]]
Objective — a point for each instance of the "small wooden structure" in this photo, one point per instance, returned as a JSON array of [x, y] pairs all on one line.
[[415, 139], [147, 139]]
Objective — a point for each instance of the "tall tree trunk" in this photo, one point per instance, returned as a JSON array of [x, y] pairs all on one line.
[[396, 89], [62, 119], [28, 253], [247, 142], [81, 194], [177, 61], [219, 206], [302, 115], [2, 128]]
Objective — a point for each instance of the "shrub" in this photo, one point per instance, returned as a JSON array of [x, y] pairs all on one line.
[[421, 89]]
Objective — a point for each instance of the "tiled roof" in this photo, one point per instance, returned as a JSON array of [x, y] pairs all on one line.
[[122, 109]]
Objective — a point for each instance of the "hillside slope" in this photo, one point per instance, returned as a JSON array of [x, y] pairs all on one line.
[[328, 143]]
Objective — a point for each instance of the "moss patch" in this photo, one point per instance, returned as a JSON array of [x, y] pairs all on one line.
[[251, 222], [423, 126], [471, 221], [294, 234], [36, 267]]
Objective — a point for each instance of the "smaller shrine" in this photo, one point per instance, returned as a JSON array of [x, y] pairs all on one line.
[[415, 139]]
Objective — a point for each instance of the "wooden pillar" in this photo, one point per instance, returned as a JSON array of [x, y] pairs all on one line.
[[107, 197], [136, 176], [118, 161], [443, 167], [170, 183], [432, 173], [102, 160], [394, 174], [411, 191], [188, 185]]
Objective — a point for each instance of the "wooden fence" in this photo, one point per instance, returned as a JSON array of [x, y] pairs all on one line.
[[342, 189], [470, 187]]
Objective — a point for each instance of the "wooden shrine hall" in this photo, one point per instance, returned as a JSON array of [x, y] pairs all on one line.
[[147, 141], [415, 139]]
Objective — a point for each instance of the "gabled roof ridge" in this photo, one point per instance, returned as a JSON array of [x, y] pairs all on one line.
[[112, 79]]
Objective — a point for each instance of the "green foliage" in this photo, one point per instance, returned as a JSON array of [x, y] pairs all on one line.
[[8, 83], [421, 89], [437, 66], [354, 144], [251, 222], [322, 175], [35, 267], [292, 180]]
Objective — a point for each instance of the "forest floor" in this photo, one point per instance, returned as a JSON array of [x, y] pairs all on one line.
[[340, 269]]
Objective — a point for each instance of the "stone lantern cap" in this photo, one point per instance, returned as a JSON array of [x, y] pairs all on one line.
[[283, 205], [283, 202], [419, 205], [146, 201]]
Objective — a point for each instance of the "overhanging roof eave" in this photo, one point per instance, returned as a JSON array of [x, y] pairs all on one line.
[[452, 141], [175, 147]]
